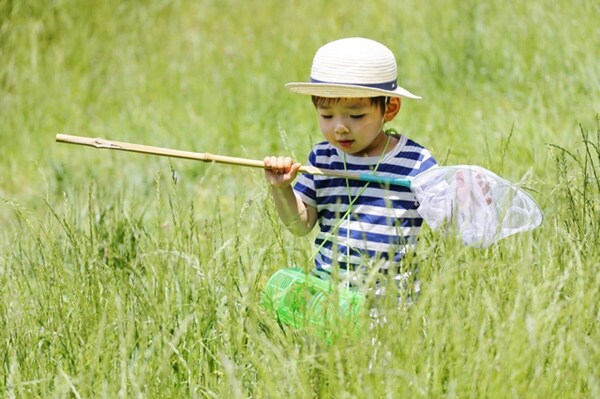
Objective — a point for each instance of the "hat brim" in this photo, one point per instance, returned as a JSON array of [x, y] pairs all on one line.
[[337, 90]]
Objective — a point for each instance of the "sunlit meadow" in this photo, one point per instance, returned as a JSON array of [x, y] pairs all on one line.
[[128, 275]]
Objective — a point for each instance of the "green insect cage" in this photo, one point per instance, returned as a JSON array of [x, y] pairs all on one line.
[[301, 299]]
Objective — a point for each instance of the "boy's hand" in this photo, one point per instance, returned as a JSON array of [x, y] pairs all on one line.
[[465, 191], [280, 171]]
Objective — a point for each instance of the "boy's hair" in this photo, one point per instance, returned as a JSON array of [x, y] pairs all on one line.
[[380, 101]]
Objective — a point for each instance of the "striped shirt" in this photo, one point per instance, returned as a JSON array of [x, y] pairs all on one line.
[[364, 224]]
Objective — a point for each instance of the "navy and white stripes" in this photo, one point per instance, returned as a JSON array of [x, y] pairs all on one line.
[[383, 221]]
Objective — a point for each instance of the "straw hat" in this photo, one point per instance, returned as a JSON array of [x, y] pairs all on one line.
[[353, 67]]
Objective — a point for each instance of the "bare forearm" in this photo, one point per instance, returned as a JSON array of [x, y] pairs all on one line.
[[294, 214]]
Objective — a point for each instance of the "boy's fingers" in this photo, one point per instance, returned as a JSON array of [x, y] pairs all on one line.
[[461, 187], [484, 185], [268, 161], [284, 163], [278, 164], [296, 167]]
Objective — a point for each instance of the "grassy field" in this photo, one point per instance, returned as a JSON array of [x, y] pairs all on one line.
[[124, 275]]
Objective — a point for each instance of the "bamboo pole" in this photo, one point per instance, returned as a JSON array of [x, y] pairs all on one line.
[[208, 157]]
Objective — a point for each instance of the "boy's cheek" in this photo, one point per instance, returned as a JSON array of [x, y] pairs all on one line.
[[325, 128]]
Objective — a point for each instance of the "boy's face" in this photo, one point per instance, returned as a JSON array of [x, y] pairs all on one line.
[[354, 125]]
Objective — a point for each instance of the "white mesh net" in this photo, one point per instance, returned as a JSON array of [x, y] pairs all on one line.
[[481, 206]]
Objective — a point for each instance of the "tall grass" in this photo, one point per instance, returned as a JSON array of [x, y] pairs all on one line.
[[579, 191], [124, 275]]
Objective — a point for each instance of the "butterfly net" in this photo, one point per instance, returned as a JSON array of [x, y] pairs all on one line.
[[479, 205]]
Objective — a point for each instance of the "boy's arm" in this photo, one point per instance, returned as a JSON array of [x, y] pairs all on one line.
[[298, 217]]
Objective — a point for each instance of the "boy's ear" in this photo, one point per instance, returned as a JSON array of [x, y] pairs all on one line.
[[392, 109]]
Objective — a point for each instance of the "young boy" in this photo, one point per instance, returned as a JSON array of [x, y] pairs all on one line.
[[354, 89]]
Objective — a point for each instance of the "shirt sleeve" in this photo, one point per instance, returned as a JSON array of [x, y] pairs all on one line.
[[305, 185], [427, 162]]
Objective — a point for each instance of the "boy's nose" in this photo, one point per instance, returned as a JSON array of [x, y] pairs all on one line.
[[340, 128]]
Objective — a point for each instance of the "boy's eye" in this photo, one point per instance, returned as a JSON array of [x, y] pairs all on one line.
[[357, 116], [326, 116]]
